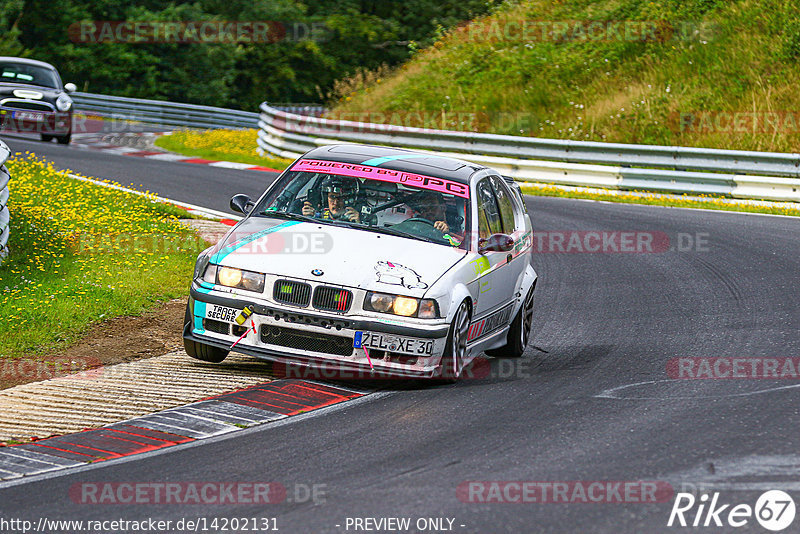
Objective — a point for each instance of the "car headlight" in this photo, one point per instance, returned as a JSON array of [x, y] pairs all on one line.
[[232, 277], [400, 305], [63, 102], [200, 265]]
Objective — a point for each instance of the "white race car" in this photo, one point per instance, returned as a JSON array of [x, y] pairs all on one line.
[[370, 260]]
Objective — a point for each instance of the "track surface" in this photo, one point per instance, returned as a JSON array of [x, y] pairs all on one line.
[[602, 321]]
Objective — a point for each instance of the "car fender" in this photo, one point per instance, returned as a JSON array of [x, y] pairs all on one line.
[[529, 279], [457, 295]]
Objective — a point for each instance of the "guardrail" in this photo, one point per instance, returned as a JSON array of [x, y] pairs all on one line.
[[170, 114], [5, 223], [735, 173]]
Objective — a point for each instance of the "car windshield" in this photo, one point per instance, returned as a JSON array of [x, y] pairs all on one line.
[[435, 210], [28, 74]]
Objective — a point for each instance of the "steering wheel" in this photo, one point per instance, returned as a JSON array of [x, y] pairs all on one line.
[[418, 220], [421, 227]]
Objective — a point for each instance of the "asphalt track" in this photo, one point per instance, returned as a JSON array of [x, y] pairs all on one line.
[[591, 399]]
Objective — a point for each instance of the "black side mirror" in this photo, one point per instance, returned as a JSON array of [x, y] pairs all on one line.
[[242, 204], [495, 243]]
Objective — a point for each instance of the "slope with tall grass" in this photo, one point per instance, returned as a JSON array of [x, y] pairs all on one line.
[[711, 73]]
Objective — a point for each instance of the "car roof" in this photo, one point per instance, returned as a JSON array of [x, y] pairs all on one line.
[[398, 159], [26, 61]]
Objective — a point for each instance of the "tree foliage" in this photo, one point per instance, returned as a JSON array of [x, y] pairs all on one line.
[[301, 66]]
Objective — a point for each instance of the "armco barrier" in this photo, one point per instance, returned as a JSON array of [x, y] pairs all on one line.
[[734, 173], [5, 226], [168, 114], [172, 114]]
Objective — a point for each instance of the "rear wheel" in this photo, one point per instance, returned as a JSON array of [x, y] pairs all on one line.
[[456, 349], [519, 333], [64, 139], [201, 351]]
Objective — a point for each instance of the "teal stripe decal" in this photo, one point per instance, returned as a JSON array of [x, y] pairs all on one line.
[[200, 312], [374, 162], [219, 256]]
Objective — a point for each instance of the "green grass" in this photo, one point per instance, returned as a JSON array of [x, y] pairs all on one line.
[[238, 146], [656, 199], [81, 253], [708, 56]]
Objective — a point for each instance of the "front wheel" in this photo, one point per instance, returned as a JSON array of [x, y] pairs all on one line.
[[46, 138], [64, 139], [519, 333], [456, 350], [201, 351]]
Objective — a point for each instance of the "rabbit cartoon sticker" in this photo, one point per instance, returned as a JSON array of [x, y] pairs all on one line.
[[398, 275]]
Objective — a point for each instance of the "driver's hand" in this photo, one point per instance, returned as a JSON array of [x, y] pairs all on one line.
[[308, 209], [352, 215], [441, 226]]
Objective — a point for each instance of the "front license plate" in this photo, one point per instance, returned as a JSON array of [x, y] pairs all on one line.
[[392, 343], [28, 116], [222, 313]]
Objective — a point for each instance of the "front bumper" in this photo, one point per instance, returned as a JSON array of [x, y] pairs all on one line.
[[330, 339], [56, 123]]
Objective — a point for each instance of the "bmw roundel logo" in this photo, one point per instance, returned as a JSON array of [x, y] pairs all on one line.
[[317, 272]]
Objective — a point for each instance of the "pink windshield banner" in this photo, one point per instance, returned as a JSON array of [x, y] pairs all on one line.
[[386, 175]]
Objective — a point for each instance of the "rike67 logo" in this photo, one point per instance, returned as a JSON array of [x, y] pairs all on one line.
[[774, 510]]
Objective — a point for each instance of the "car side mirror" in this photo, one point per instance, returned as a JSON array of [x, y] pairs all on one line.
[[242, 204], [495, 243], [70, 87]]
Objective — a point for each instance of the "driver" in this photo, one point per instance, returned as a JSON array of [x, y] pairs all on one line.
[[431, 206], [339, 192]]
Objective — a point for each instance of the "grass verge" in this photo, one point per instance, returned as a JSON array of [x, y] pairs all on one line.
[[225, 145], [81, 253], [659, 199]]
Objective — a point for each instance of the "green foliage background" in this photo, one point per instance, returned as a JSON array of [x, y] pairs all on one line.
[[360, 35]]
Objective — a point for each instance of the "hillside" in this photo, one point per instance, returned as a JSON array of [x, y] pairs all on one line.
[[710, 73]]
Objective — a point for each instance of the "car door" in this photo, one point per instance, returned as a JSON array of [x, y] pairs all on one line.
[[512, 219], [497, 277]]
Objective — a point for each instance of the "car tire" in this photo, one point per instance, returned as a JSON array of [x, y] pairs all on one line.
[[201, 351], [519, 333], [47, 138], [64, 139], [453, 358]]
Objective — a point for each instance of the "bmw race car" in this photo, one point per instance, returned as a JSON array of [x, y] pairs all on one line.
[[370, 260]]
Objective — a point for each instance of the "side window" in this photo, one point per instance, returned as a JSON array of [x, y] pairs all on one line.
[[489, 221], [505, 204]]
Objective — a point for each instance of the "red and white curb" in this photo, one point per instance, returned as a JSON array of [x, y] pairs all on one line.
[[140, 150], [221, 414]]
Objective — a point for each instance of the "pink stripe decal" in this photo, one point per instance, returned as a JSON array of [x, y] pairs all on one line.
[[386, 175]]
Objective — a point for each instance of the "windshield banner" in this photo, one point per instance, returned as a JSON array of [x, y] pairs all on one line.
[[386, 175]]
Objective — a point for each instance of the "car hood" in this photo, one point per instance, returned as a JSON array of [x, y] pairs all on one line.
[[344, 256], [48, 93]]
